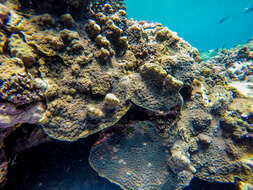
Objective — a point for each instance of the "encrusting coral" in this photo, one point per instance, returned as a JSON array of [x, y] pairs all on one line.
[[77, 67]]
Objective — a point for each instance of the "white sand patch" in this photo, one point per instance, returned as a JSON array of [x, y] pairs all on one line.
[[244, 88]]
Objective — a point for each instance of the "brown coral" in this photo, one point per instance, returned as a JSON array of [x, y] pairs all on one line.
[[90, 69], [17, 84], [78, 85]]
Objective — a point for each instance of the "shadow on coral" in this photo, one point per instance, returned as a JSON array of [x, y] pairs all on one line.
[[59, 165], [198, 184], [56, 165]]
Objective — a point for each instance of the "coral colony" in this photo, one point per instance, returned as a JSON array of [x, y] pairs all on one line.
[[75, 68]]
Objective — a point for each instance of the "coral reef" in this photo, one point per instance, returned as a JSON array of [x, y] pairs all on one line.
[[235, 65], [212, 139], [197, 144], [82, 63], [17, 86], [76, 68]]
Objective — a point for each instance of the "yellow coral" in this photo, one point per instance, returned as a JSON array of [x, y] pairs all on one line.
[[102, 41], [21, 50], [3, 41]]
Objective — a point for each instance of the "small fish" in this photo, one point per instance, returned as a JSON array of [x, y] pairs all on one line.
[[224, 19], [248, 9]]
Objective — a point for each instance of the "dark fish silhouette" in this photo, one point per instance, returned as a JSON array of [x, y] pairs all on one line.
[[248, 9], [224, 19]]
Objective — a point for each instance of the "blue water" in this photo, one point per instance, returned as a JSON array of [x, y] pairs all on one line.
[[197, 21]]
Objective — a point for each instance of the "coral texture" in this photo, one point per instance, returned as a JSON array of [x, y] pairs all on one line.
[[149, 168], [81, 63], [76, 68]]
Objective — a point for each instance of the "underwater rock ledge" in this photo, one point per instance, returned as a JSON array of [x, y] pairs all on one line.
[[73, 75]]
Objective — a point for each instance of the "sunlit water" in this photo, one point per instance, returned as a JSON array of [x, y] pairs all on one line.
[[197, 21]]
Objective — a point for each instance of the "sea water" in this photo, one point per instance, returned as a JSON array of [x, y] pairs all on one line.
[[199, 22]]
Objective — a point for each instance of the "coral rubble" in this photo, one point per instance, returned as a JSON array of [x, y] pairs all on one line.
[[78, 74]]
